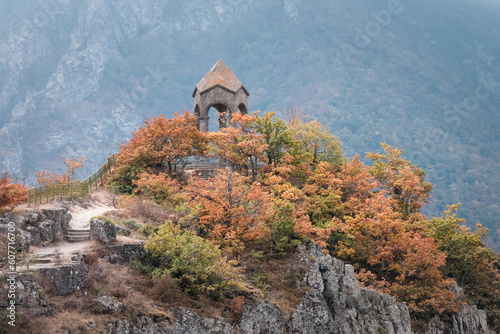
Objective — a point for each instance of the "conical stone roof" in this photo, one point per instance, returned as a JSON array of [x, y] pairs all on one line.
[[219, 76]]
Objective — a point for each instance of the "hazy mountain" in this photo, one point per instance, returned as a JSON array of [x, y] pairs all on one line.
[[76, 77]]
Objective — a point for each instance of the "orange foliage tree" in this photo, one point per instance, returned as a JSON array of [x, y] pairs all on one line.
[[404, 181], [385, 249], [239, 144], [231, 210], [161, 188], [161, 146], [11, 194], [45, 177]]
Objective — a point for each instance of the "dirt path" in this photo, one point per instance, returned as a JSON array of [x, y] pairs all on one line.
[[80, 220], [80, 217]]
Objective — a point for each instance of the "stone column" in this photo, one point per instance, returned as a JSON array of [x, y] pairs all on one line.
[[203, 123]]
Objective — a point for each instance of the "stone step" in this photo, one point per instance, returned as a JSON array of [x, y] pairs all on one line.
[[79, 230], [77, 238], [43, 258], [77, 233]]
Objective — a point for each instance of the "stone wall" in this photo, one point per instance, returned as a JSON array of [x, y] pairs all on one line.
[[37, 227]]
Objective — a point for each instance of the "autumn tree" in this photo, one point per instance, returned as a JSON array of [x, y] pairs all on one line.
[[162, 145], [161, 188], [384, 248], [404, 181], [231, 210], [276, 136], [239, 144], [316, 141], [288, 220], [473, 266], [45, 177], [11, 194]]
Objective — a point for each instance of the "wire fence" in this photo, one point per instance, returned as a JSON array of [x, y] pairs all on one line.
[[49, 192]]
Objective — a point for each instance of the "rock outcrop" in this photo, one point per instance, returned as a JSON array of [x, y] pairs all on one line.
[[29, 296], [124, 254], [65, 279], [107, 304], [38, 227], [102, 231], [468, 320], [335, 304]]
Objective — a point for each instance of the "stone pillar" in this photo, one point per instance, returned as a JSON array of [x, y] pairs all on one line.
[[203, 123]]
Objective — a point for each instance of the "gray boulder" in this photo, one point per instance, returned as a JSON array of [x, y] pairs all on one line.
[[20, 221], [65, 279], [34, 217], [107, 304], [60, 216], [122, 230], [46, 229], [36, 239], [102, 231], [23, 238], [263, 318], [125, 254], [57, 229]]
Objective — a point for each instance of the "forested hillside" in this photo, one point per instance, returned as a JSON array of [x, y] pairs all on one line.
[[78, 77]]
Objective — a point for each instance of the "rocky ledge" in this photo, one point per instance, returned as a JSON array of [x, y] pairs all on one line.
[[335, 304]]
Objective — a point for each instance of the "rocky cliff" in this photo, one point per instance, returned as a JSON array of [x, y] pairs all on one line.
[[335, 303]]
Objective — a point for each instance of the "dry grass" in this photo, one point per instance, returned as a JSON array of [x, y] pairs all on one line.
[[279, 279], [144, 210], [75, 312]]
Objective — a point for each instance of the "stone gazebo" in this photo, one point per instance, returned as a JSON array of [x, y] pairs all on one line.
[[221, 90]]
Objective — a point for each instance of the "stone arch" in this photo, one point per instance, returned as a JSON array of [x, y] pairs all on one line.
[[242, 108], [223, 114]]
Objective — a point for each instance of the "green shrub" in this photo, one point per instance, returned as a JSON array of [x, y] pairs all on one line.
[[145, 270], [194, 262], [132, 224], [147, 229], [283, 236]]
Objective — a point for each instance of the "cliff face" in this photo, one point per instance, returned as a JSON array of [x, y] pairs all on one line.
[[336, 304]]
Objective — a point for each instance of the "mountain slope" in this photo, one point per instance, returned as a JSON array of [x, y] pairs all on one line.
[[77, 77]]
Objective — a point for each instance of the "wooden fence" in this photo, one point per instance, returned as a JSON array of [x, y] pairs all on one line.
[[70, 191]]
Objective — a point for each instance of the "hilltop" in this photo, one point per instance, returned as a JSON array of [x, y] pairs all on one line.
[[76, 78]]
